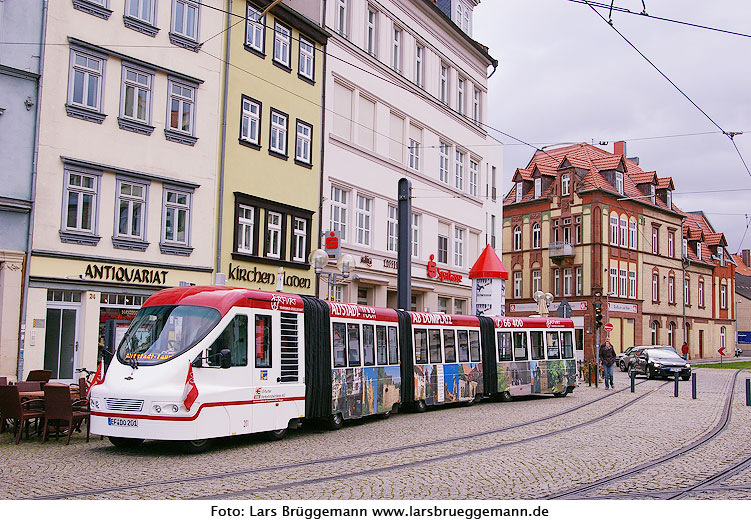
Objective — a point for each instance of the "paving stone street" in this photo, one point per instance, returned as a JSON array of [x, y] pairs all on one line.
[[478, 452]]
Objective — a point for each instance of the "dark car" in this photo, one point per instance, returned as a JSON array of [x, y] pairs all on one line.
[[659, 362], [624, 358]]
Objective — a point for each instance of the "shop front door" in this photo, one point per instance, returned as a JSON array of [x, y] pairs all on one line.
[[61, 342]]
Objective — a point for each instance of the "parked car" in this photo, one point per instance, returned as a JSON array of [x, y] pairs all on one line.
[[624, 358], [659, 361]]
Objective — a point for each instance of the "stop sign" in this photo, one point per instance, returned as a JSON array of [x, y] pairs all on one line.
[[608, 327]]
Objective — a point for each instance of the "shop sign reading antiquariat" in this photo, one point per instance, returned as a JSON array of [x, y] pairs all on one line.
[[125, 275]]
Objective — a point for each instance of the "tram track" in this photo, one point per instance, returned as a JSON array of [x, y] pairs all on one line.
[[379, 452], [580, 492]]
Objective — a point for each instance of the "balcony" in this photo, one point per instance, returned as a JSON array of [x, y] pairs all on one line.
[[559, 252]]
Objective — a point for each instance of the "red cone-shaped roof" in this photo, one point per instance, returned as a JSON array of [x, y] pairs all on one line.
[[488, 265]]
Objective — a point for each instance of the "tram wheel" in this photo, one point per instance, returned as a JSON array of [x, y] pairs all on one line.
[[276, 434], [126, 443], [195, 446], [562, 393], [335, 421], [384, 416], [420, 406], [504, 396], [470, 402]]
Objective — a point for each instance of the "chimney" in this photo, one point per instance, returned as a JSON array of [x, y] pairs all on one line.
[[746, 257], [619, 148]]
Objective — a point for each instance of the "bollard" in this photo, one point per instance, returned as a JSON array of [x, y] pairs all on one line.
[[693, 386], [597, 376], [633, 378], [589, 374], [748, 391], [676, 385]]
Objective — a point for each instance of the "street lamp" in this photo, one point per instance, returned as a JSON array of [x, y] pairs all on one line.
[[319, 258]]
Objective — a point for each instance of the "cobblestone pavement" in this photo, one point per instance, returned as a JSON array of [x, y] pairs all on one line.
[[493, 465]]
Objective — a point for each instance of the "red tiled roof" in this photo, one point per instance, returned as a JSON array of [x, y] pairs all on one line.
[[643, 177], [741, 267], [665, 182]]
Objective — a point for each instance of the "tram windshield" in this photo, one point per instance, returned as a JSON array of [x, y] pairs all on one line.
[[160, 333]]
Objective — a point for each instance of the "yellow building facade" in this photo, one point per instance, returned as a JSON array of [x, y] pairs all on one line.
[[270, 161]]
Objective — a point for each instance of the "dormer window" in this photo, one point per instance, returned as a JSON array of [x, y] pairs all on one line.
[[685, 248], [652, 193], [619, 182], [698, 249], [721, 255], [518, 191], [538, 187], [565, 181], [669, 199]]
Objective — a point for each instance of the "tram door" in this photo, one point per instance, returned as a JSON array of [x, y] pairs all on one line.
[[265, 377]]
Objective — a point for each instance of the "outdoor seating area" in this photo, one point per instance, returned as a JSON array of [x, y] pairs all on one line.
[[51, 407]]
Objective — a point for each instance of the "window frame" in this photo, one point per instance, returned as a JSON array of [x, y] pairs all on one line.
[[458, 247], [614, 230], [632, 233], [197, 22], [517, 277], [536, 280], [183, 100], [125, 83], [307, 162], [268, 344], [127, 11], [442, 253], [517, 238], [253, 26], [187, 208], [269, 234], [306, 58], [87, 73], [131, 200], [275, 133], [282, 42], [419, 64], [565, 184], [245, 225], [342, 205], [363, 219], [443, 83], [371, 31], [473, 181], [415, 225], [248, 140], [299, 239], [459, 170], [81, 190], [461, 103], [396, 48], [341, 13], [619, 187], [414, 154], [444, 161], [392, 228]]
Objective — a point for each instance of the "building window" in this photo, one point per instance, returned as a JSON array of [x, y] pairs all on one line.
[[567, 235], [701, 293], [459, 309], [517, 284], [443, 249], [182, 102], [255, 29], [565, 182], [652, 192], [419, 67], [492, 230], [245, 229], [685, 248], [273, 234], [476, 105], [519, 191], [459, 247], [85, 84], [185, 15], [614, 230], [443, 162], [624, 232], [632, 284], [671, 244], [396, 48], [723, 337], [392, 229], [517, 237], [136, 96], [81, 192], [131, 208], [698, 250], [655, 288], [577, 233], [341, 17], [614, 281], [723, 296], [536, 281], [143, 10], [669, 199], [655, 333], [460, 96], [282, 38], [364, 208], [176, 226], [493, 187], [250, 123], [371, 31], [655, 240], [579, 283], [414, 154], [415, 235], [278, 133], [443, 305], [538, 187], [300, 240], [444, 84], [459, 175], [619, 182], [536, 235], [307, 58], [671, 289], [567, 282], [303, 142], [473, 177], [632, 233], [623, 291], [671, 334], [338, 223], [556, 282]]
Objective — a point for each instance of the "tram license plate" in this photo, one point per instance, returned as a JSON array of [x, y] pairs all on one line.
[[675, 369], [123, 422]]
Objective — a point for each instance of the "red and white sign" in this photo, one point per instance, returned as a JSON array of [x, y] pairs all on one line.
[[608, 327], [190, 393], [443, 275], [721, 350]]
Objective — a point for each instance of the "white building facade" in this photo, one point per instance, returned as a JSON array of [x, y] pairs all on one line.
[[406, 96]]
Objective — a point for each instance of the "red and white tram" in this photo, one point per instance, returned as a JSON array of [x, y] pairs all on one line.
[[205, 362]]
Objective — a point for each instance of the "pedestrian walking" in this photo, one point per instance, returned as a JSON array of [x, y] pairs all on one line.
[[607, 358], [684, 350]]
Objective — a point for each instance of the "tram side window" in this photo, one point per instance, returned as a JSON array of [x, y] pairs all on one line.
[[434, 345], [537, 344], [368, 345], [474, 346], [340, 348], [520, 346], [567, 345], [554, 352], [505, 353], [449, 345], [263, 340], [463, 346], [421, 346], [353, 344], [393, 346], [235, 338], [382, 357]]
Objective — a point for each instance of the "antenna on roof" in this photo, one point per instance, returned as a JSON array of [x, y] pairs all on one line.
[[603, 143]]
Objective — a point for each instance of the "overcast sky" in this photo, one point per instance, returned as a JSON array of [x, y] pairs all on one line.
[[564, 75]]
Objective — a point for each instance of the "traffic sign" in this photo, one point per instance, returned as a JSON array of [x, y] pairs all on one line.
[[608, 327], [721, 350]]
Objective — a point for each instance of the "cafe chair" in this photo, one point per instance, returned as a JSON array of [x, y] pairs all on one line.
[[11, 408], [39, 375], [61, 411]]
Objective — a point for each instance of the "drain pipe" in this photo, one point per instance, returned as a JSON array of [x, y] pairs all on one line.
[[34, 172], [220, 204], [323, 142]]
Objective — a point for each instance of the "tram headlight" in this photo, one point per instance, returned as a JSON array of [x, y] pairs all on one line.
[[94, 402], [175, 409], [157, 408]]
